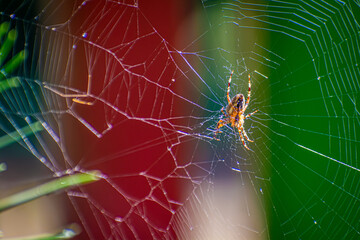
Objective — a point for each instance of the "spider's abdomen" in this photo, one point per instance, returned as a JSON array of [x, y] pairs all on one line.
[[236, 105]]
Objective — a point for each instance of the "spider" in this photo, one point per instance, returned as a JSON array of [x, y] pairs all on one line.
[[234, 113]]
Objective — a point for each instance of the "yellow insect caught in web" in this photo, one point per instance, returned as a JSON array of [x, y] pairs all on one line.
[[234, 113]]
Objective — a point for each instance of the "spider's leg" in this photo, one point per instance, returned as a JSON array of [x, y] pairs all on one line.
[[222, 110], [246, 136], [228, 88], [249, 115], [241, 130], [248, 96], [221, 123]]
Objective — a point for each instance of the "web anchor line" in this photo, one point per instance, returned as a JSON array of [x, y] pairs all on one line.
[[332, 159]]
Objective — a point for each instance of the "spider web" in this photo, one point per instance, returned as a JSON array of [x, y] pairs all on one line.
[[134, 89]]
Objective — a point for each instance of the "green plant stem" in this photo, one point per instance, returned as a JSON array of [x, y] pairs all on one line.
[[15, 62], [15, 136], [3, 167], [7, 45], [60, 184], [66, 233], [8, 83], [4, 28]]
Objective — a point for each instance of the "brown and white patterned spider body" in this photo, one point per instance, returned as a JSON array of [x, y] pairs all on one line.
[[234, 113]]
